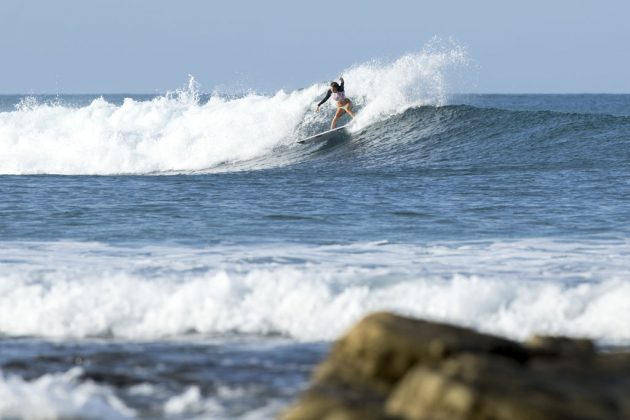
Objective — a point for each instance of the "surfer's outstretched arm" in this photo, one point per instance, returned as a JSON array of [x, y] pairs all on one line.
[[325, 99]]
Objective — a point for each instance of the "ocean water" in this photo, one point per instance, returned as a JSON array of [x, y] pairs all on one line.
[[180, 256]]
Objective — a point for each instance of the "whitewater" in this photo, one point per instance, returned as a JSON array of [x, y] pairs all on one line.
[[179, 255], [513, 288]]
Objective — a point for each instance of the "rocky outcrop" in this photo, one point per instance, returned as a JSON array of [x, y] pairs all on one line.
[[392, 367]]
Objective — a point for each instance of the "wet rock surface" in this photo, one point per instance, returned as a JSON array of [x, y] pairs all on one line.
[[392, 367]]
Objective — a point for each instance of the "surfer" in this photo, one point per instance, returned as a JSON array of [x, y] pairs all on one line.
[[343, 104]]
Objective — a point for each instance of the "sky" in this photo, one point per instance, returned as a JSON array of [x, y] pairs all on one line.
[[151, 46]]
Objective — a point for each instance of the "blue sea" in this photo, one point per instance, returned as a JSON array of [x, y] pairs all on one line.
[[181, 256]]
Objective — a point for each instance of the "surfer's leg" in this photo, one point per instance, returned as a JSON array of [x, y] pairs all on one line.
[[337, 115], [348, 108]]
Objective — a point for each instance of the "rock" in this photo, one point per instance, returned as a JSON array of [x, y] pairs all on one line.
[[378, 351], [474, 387], [393, 367], [560, 346], [331, 403]]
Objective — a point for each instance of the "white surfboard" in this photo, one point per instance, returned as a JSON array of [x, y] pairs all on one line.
[[322, 136]]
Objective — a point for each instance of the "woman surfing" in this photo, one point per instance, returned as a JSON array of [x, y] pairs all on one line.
[[343, 104]]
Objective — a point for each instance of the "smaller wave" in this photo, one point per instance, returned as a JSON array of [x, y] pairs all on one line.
[[314, 293]]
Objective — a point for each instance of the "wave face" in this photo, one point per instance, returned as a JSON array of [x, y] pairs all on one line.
[[468, 137], [182, 132]]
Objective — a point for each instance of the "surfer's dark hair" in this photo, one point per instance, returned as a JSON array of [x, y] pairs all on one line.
[[334, 84]]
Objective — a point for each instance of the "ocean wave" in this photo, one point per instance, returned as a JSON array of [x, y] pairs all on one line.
[[178, 132], [404, 122], [307, 293]]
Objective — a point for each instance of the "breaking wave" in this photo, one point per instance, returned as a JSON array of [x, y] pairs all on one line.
[[310, 293], [181, 132]]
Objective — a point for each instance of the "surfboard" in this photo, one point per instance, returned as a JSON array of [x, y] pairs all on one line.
[[322, 136]]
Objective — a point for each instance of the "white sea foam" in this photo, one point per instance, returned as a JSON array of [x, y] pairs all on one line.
[[178, 133], [385, 89], [192, 402], [60, 395], [65, 395], [314, 293]]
